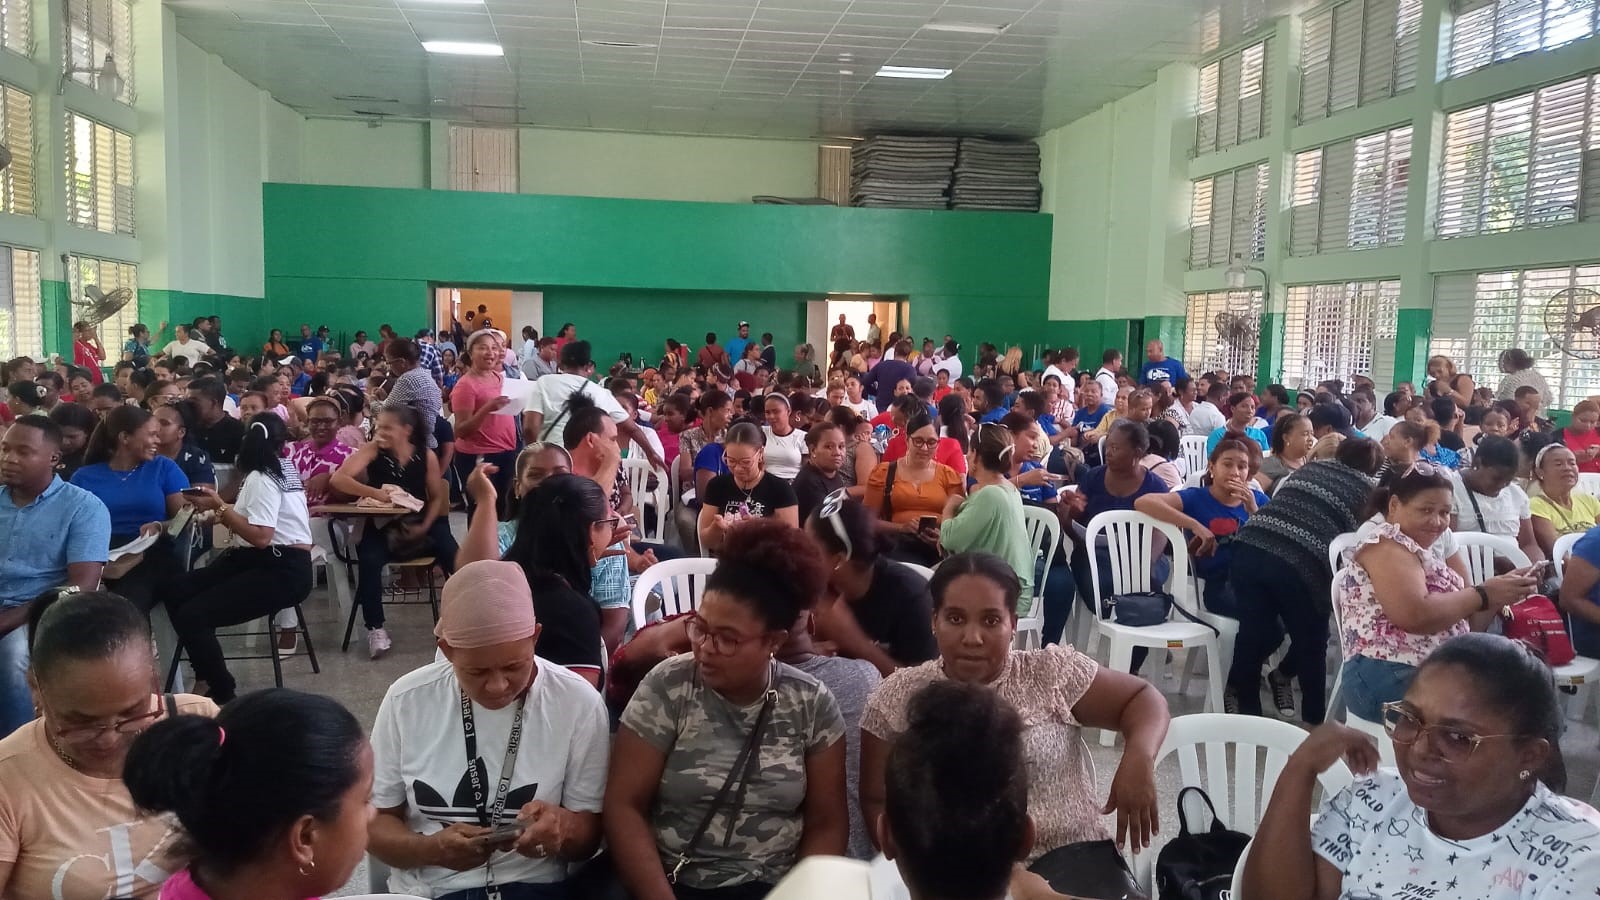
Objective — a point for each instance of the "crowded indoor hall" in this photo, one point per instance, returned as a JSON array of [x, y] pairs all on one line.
[[740, 449]]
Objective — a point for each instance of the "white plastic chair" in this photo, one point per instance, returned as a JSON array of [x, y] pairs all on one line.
[[1589, 483], [1583, 670], [1227, 636], [1130, 537], [652, 528], [1207, 738], [924, 571], [1385, 746], [681, 583], [1193, 448], [1481, 549], [1339, 548], [1044, 536]]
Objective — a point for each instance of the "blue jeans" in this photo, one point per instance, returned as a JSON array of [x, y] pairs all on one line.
[[16, 701], [1370, 683]]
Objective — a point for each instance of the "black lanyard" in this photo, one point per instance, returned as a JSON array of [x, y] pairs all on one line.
[[488, 816]]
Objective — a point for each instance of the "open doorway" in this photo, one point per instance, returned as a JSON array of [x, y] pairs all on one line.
[[822, 316], [507, 310]]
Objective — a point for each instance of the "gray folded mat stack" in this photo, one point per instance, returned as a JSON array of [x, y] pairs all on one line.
[[996, 175], [903, 172]]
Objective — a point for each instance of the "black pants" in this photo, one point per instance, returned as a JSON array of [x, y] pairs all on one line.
[[557, 890], [146, 582], [372, 554], [1273, 599], [243, 584], [505, 460]]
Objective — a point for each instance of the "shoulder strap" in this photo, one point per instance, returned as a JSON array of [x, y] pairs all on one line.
[[744, 768], [172, 705], [887, 510], [566, 407], [1472, 496]]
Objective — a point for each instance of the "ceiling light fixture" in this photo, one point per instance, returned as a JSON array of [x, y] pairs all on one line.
[[966, 27], [847, 71], [463, 48], [621, 45], [927, 74]]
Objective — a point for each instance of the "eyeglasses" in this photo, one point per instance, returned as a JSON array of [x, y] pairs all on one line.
[[723, 643], [1453, 745], [925, 443], [130, 725], [829, 511], [731, 462]]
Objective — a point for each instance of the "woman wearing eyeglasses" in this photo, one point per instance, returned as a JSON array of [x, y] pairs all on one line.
[[911, 493], [746, 490], [1471, 810], [68, 828], [729, 765]]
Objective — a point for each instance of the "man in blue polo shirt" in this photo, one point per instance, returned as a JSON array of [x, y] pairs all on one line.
[[1159, 366], [51, 534]]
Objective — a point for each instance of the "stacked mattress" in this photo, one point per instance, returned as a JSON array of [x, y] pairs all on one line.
[[904, 172], [996, 175]]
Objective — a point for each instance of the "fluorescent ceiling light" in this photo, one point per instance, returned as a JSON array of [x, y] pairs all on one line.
[[463, 48], [966, 27], [913, 72], [447, 2]]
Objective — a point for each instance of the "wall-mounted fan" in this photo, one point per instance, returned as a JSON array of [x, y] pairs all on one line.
[[1572, 320], [1237, 331], [98, 306]]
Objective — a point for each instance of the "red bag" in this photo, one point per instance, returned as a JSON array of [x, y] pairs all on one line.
[[1536, 622]]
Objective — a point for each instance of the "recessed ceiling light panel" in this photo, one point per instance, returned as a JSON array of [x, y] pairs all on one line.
[[463, 48], [966, 28], [621, 45], [918, 72]]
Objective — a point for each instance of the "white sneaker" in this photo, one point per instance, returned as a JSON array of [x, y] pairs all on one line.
[[378, 642]]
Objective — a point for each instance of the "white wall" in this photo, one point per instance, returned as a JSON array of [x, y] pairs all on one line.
[[340, 151], [665, 167]]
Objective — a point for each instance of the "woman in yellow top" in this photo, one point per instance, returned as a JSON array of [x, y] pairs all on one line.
[[1557, 506], [910, 494]]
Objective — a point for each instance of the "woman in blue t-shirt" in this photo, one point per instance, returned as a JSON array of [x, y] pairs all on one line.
[[140, 488], [1116, 485]]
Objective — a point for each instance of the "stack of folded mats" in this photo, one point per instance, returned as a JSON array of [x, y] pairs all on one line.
[[891, 172], [996, 175]]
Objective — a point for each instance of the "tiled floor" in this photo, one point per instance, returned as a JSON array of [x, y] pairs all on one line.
[[360, 684]]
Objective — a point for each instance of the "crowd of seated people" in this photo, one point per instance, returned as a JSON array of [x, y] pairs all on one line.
[[822, 490]]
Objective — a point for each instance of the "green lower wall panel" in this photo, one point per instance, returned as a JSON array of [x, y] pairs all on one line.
[[242, 317], [57, 318], [1413, 331], [1269, 358]]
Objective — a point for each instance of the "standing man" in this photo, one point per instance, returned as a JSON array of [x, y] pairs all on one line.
[[736, 346], [54, 534], [769, 353], [218, 433], [711, 354], [889, 372], [874, 333], [550, 406], [543, 361], [428, 357], [1110, 365], [310, 344], [842, 331], [1159, 366]]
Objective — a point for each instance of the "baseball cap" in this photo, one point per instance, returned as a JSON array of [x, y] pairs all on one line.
[[1331, 415], [744, 324], [424, 332]]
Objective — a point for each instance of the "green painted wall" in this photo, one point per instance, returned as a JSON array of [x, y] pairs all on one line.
[[56, 324], [654, 316], [1414, 328], [242, 317]]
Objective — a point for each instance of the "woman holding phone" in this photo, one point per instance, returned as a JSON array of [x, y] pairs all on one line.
[[745, 491], [911, 494]]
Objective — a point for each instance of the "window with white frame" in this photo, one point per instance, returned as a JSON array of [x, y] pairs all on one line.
[[1350, 194], [1231, 108], [1228, 217], [1484, 32], [107, 275], [1222, 330], [99, 185], [1340, 330], [15, 26], [1357, 52], [1477, 315], [1522, 162], [16, 132], [98, 31], [21, 305], [483, 159]]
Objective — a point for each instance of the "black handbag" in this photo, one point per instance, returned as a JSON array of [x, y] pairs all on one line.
[[1141, 609], [1093, 870], [402, 546], [1199, 866]]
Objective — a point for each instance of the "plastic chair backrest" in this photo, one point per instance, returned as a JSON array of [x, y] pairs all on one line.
[[1130, 540], [680, 582], [1193, 447], [1339, 548], [924, 571], [1044, 536], [1589, 483], [1481, 550], [1562, 550]]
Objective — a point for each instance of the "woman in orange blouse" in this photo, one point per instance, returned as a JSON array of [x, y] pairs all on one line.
[[910, 494]]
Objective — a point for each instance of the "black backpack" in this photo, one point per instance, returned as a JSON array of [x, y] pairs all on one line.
[[1199, 866]]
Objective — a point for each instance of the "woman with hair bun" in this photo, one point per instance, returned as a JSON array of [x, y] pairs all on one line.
[[991, 521], [690, 811], [273, 795]]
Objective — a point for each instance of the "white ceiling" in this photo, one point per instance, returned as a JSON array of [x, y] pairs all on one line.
[[770, 68]]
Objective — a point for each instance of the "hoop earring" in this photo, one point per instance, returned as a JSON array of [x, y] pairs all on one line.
[[1524, 774], [311, 865]]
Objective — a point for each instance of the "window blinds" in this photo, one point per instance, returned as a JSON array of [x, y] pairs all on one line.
[[97, 29], [1358, 52], [21, 312], [1231, 104], [100, 179], [1207, 347], [1350, 194], [1477, 315], [483, 159], [15, 26], [1340, 330], [1228, 216], [1522, 162], [1484, 32], [107, 275], [16, 132]]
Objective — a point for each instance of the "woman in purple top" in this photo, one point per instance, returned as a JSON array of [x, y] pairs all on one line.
[[1116, 485], [318, 456]]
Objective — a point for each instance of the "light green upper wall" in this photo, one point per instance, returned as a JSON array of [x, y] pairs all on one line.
[[664, 167], [339, 151]]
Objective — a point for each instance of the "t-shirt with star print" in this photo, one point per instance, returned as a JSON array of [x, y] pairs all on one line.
[[1381, 843]]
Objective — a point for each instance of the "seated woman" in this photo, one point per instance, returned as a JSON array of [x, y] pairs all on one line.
[[68, 828], [1580, 594], [746, 491], [1241, 421], [532, 727], [910, 494], [174, 423], [273, 795], [1035, 485], [785, 445], [948, 451], [1292, 440], [991, 521], [1557, 506], [141, 489], [820, 476], [1487, 498], [271, 571], [1476, 814], [1582, 436], [77, 422], [860, 457], [1399, 601], [1435, 449], [397, 456], [322, 453], [1117, 485], [1057, 691], [1165, 458], [686, 738]]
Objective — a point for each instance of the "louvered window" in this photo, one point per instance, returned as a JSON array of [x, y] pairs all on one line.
[[483, 159], [21, 306], [15, 25], [1340, 330], [1222, 331], [1484, 32], [1231, 106], [1522, 162], [1356, 53], [1350, 194], [1476, 316], [99, 176], [84, 272], [97, 31], [16, 132], [1228, 217]]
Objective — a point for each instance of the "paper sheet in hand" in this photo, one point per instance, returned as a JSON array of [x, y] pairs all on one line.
[[137, 545], [520, 392]]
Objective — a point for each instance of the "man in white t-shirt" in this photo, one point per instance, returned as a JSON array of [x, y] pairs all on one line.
[[546, 413], [1207, 416], [949, 361], [185, 349], [1110, 365]]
